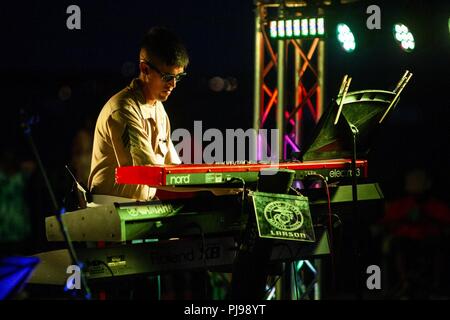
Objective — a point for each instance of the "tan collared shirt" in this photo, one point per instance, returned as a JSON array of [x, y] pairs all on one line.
[[129, 132]]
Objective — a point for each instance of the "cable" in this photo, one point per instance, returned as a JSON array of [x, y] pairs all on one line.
[[328, 202], [97, 262], [294, 269], [295, 280], [330, 227], [202, 235], [230, 179], [271, 287], [278, 277]]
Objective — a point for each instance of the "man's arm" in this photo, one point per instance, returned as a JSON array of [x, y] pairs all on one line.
[[129, 139], [172, 155]]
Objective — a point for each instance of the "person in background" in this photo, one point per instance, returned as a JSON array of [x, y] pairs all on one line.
[[417, 225], [15, 221]]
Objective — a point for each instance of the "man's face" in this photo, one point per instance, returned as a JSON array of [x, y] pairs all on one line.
[[160, 79]]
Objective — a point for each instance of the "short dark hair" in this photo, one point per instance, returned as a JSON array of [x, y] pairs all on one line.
[[166, 46]]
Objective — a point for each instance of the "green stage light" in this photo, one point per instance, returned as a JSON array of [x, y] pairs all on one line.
[[346, 37], [305, 27], [321, 26], [281, 31], [289, 28], [297, 28], [404, 37], [273, 29], [312, 26]]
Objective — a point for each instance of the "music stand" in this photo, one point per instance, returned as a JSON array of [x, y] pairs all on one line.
[[366, 110], [14, 273], [346, 130]]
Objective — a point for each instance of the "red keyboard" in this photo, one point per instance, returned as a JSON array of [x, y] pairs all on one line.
[[215, 174]]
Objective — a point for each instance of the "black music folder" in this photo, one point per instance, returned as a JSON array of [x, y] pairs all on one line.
[[362, 112], [363, 109]]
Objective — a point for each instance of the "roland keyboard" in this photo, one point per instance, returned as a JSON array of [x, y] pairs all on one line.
[[217, 253]]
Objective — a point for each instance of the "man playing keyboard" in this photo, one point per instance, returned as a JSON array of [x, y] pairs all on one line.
[[133, 127]]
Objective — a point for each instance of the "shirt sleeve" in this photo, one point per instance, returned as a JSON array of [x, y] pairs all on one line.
[[172, 155], [129, 139]]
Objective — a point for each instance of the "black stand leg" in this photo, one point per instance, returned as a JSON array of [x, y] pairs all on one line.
[[357, 226], [26, 126], [251, 265]]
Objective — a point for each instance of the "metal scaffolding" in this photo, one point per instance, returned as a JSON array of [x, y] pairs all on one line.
[[288, 93], [288, 80]]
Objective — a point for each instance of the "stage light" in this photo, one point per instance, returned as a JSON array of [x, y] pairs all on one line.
[[273, 29], [305, 27], [312, 27], [289, 28], [346, 37], [280, 29], [321, 26], [404, 37], [297, 28]]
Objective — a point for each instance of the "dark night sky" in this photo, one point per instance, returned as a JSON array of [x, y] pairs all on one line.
[[40, 55]]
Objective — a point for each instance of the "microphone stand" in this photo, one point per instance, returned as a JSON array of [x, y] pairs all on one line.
[[26, 126]]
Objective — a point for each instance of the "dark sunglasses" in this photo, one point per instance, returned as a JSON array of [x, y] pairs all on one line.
[[166, 77]]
